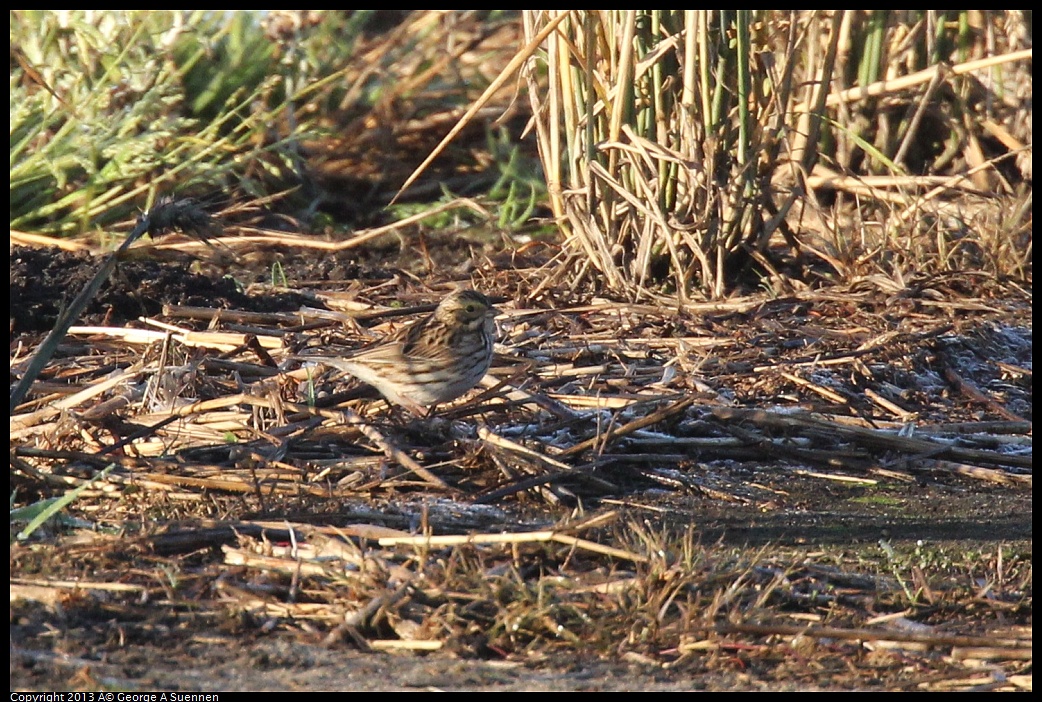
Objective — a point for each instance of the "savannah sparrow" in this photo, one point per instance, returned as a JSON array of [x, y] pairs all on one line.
[[434, 360]]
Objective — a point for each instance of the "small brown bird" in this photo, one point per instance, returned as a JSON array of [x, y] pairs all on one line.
[[432, 361]]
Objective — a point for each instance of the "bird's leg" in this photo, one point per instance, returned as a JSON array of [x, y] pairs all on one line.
[[414, 408]]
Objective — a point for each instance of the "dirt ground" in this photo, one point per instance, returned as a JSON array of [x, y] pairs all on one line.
[[777, 512]]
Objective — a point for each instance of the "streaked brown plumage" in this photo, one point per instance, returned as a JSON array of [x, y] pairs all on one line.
[[432, 361]]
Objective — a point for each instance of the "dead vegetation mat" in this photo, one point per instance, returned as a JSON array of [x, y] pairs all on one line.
[[829, 490]]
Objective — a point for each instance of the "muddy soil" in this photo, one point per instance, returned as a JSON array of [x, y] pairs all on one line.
[[753, 507]]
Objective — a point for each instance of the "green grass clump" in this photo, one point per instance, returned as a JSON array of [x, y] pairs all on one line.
[[111, 108]]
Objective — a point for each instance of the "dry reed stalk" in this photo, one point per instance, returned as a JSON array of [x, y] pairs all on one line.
[[657, 156]]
